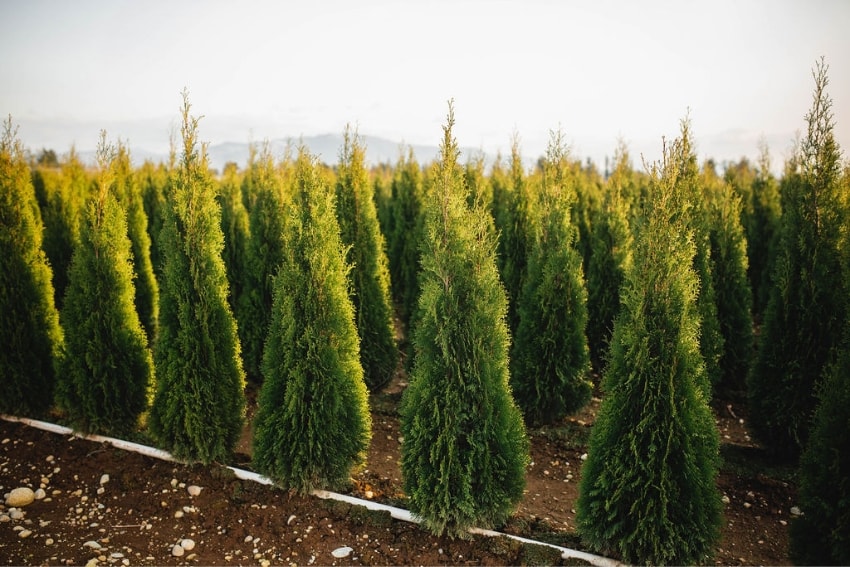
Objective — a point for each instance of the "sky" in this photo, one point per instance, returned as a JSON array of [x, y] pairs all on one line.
[[599, 72]]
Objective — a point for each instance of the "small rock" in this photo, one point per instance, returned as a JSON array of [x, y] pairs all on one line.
[[5, 518], [291, 518], [369, 494], [16, 514], [92, 562], [104, 478], [177, 550], [187, 544], [341, 552], [193, 490], [249, 539], [178, 514], [747, 505], [92, 544], [725, 499], [48, 541], [116, 555], [795, 511], [24, 533], [40, 493], [20, 497], [584, 456]]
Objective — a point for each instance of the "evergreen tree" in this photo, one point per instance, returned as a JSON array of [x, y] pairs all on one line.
[[610, 257], [29, 328], [199, 405], [153, 181], [820, 536], [265, 252], [515, 226], [370, 277], [403, 240], [313, 425], [235, 225], [550, 358], [733, 294], [808, 303], [106, 368], [66, 193], [648, 489], [129, 194], [465, 448], [711, 338]]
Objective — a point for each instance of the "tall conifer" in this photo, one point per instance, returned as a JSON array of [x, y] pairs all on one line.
[[106, 367], [550, 359], [804, 317], [313, 425], [465, 448], [129, 194], [648, 491], [264, 251], [29, 327], [369, 275], [198, 409]]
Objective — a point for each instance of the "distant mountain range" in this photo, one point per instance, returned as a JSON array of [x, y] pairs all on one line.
[[326, 148]]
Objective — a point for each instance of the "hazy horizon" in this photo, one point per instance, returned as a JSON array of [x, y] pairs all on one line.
[[598, 71]]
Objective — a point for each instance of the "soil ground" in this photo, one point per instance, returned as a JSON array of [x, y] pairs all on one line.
[[145, 509]]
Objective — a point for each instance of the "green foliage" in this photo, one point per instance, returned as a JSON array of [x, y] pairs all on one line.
[[760, 217], [711, 337], [550, 359], [235, 226], [465, 448], [106, 368], [820, 535], [611, 241], [153, 183], [197, 348], [65, 193], [408, 195], [733, 295], [29, 327], [512, 202], [129, 194], [648, 491], [313, 425], [808, 303], [263, 256], [370, 277]]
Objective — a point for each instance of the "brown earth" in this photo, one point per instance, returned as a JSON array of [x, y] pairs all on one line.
[[145, 509]]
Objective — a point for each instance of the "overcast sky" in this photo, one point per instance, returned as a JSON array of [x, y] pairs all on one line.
[[597, 70]]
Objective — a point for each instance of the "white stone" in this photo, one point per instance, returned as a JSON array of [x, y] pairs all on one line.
[[40, 493], [92, 544], [104, 478], [24, 533], [92, 562], [725, 499], [48, 541], [795, 511], [341, 552], [249, 539], [187, 544], [193, 490], [291, 518], [22, 496], [177, 550], [584, 456], [178, 514]]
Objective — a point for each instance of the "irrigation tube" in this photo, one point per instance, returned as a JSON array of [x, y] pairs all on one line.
[[397, 513]]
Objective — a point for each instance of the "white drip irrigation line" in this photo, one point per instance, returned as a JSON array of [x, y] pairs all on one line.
[[397, 513]]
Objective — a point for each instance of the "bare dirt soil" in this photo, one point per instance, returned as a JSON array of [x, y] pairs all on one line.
[[144, 509]]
